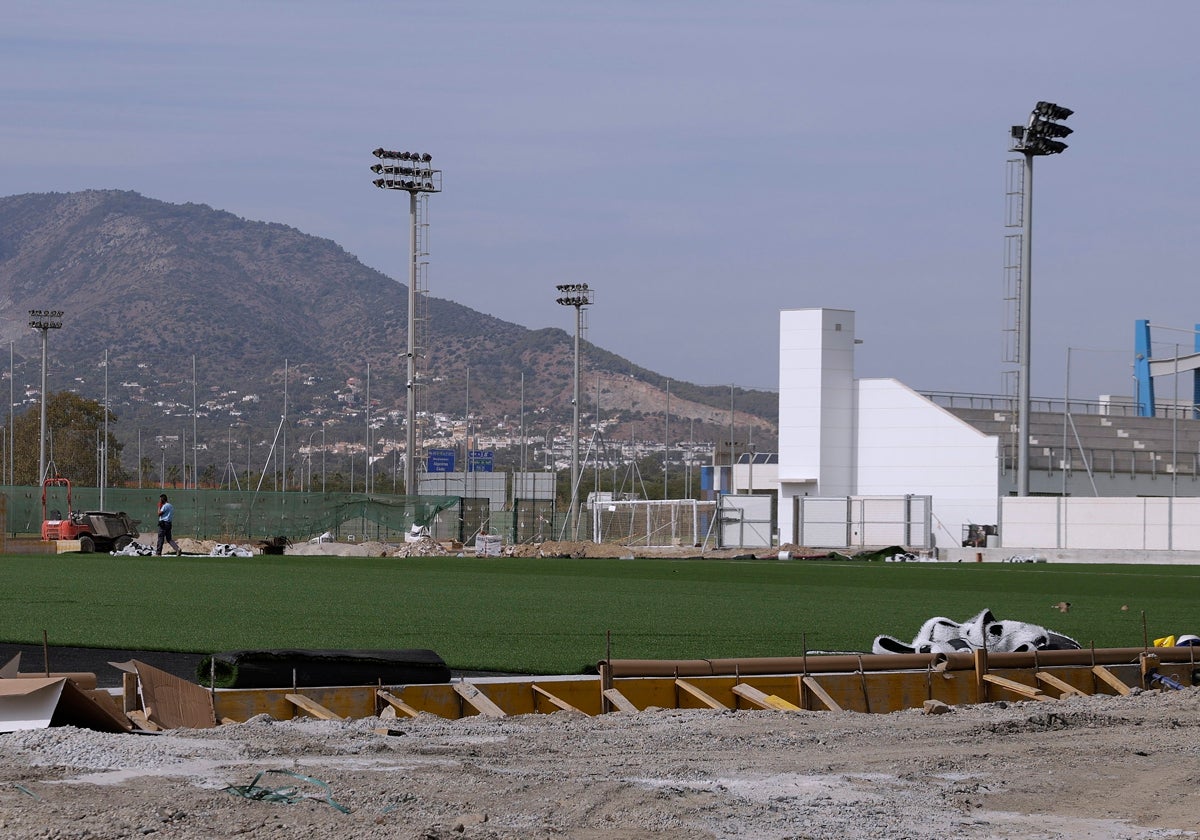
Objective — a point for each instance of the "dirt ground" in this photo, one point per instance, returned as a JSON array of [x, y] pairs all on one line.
[[1093, 767]]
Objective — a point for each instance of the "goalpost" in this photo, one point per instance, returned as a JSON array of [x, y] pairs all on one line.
[[655, 523]]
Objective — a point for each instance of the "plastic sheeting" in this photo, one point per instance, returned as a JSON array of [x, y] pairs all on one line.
[[282, 668]]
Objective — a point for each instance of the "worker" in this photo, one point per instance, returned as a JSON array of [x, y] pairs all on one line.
[[166, 515]]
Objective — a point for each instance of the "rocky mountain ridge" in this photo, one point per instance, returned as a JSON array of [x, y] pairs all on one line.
[[163, 286]]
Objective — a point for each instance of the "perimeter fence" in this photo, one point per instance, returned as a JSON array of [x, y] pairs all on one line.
[[234, 515]]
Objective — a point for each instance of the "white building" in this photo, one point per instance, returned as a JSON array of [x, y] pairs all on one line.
[[845, 437]]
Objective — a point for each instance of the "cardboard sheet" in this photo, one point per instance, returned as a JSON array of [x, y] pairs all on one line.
[[37, 703], [170, 701]]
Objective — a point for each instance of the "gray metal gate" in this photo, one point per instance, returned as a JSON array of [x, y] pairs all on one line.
[[746, 521], [859, 521]]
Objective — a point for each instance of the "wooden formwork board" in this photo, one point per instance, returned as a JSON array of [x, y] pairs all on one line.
[[619, 701], [875, 692], [241, 704]]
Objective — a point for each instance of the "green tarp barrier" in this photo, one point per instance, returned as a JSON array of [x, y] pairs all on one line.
[[240, 515]]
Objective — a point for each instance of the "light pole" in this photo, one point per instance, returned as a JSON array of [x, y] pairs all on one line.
[[310, 463], [44, 320], [578, 295], [104, 447], [414, 175], [1036, 138], [12, 476], [233, 476]]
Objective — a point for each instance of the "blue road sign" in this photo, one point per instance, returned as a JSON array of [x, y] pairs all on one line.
[[480, 460], [440, 460]]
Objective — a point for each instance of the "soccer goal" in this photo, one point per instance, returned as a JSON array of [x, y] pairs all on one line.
[[661, 523]]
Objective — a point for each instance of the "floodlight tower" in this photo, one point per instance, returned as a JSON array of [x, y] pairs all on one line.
[[410, 172], [1037, 138], [44, 320], [578, 295]]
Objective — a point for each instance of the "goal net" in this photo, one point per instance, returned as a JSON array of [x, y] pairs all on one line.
[[662, 523]]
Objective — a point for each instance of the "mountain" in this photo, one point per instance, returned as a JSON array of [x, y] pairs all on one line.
[[158, 284]]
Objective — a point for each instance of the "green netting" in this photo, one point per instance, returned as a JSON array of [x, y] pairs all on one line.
[[240, 515]]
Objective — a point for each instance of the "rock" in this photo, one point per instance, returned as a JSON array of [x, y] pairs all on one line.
[[936, 707]]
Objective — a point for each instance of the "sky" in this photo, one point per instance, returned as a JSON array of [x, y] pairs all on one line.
[[701, 165]]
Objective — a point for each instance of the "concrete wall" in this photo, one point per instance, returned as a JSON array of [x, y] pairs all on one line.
[[1100, 524], [908, 445], [766, 478]]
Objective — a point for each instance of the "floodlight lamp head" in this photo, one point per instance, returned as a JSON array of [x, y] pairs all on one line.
[[1050, 129], [1044, 146], [426, 157], [379, 182], [377, 168], [1052, 111], [379, 152]]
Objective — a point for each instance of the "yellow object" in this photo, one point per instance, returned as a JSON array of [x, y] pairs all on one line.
[[1165, 641]]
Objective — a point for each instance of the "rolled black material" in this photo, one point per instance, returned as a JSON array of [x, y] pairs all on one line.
[[283, 668]]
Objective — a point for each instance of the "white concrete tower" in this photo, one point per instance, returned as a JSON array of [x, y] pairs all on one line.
[[816, 402]]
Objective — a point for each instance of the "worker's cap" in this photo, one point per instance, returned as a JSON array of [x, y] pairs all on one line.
[[1187, 639]]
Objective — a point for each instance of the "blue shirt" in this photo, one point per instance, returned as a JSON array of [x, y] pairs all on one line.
[[166, 512]]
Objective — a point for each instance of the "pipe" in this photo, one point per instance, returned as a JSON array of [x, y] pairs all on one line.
[[850, 663]]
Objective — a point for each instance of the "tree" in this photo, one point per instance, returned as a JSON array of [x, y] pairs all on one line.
[[74, 426], [208, 476], [147, 471]]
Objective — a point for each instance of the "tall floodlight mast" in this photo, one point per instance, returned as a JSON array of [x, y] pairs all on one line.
[[410, 172], [1037, 138], [580, 296], [44, 320]]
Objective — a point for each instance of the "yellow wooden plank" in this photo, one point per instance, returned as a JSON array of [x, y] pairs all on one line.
[[482, 703], [619, 700], [142, 722], [383, 730], [980, 656], [820, 693], [396, 703], [700, 694], [311, 706], [1017, 687], [763, 700], [1062, 685], [560, 703], [131, 700], [1113, 681]]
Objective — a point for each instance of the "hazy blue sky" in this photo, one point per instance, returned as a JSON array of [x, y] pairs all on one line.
[[702, 165]]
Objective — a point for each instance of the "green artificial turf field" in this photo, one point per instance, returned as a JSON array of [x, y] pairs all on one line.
[[552, 615]]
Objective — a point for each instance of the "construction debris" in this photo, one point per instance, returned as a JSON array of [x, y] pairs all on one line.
[[944, 635]]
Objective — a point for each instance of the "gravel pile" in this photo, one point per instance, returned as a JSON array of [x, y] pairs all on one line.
[[1022, 770]]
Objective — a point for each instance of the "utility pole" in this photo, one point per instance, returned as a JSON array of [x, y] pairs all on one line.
[[43, 320]]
